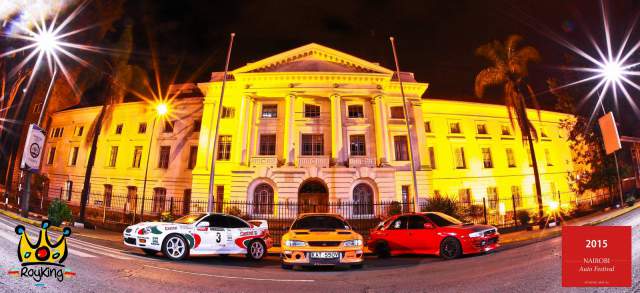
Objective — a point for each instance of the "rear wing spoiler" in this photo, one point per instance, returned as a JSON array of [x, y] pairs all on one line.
[[260, 224]]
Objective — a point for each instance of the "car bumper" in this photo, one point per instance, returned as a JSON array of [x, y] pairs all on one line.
[[137, 241], [481, 244], [297, 256]]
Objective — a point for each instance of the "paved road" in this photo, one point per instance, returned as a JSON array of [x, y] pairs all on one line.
[[106, 267]]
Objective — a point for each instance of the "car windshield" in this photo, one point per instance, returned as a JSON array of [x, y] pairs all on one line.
[[189, 219], [443, 219], [320, 223]]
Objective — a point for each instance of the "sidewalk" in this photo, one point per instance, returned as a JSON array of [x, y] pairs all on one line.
[[507, 238]]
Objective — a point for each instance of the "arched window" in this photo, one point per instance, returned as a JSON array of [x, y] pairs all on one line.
[[363, 199], [263, 199]]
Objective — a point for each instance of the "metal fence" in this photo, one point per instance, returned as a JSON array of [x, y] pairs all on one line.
[[117, 211]]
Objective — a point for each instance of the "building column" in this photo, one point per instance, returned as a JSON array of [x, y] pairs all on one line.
[[243, 129], [337, 148], [381, 130], [252, 131], [289, 130], [417, 134]]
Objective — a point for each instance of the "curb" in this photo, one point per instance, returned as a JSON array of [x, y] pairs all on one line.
[[27, 221], [634, 207]]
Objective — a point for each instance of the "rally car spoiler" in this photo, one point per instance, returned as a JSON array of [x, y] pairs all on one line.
[[259, 223]]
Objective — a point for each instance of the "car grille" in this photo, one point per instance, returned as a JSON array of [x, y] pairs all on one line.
[[324, 243], [130, 240]]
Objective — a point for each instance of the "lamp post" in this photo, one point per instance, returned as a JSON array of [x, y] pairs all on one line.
[[161, 110]]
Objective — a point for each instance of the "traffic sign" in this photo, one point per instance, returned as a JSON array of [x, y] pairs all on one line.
[[33, 148]]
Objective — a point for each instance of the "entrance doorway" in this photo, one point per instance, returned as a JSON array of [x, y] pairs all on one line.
[[313, 197]]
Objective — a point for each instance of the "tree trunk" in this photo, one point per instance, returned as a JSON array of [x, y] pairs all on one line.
[[534, 161], [86, 187]]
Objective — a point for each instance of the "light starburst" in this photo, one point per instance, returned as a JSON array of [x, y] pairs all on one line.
[[612, 69], [47, 41]]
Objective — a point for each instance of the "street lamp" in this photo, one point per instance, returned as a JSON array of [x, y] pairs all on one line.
[[162, 109]]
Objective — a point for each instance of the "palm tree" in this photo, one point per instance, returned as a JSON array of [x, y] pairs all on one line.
[[509, 71]]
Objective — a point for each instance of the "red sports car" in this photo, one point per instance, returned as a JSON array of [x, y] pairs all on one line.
[[431, 233]]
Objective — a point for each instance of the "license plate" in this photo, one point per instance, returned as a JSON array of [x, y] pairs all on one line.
[[323, 254]]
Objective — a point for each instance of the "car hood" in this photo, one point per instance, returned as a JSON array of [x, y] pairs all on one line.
[[311, 235], [473, 227], [160, 226]]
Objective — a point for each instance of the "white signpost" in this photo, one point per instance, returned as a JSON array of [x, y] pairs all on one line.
[[33, 148]]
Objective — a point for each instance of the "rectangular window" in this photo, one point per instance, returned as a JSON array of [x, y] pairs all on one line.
[[547, 157], [312, 145], [52, 156], [458, 155], [197, 124], [168, 126], [401, 148], [311, 111], [505, 129], [219, 198], [193, 156], [397, 112], [119, 129], [108, 190], [61, 131], [224, 147], [511, 159], [486, 158], [142, 127], [464, 195], [454, 127], [432, 157], [186, 202], [357, 145], [517, 195], [79, 130], [427, 127], [73, 156], [159, 198], [163, 159], [355, 111], [132, 197], [228, 112], [267, 145], [113, 156], [69, 191], [270, 111], [137, 156], [482, 128], [405, 193], [492, 197]]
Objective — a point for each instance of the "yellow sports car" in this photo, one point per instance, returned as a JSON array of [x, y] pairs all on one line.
[[321, 239]]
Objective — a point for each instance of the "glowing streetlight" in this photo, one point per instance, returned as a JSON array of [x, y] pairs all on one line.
[[162, 109]]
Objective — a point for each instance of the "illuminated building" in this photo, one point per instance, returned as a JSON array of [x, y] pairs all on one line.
[[314, 124]]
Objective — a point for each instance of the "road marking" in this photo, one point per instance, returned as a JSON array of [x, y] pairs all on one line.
[[230, 277], [79, 253]]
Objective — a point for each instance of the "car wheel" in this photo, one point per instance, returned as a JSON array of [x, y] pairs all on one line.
[[175, 247], [382, 249], [149, 252], [450, 248], [256, 249]]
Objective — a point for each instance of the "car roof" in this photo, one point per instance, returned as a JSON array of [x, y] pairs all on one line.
[[303, 215]]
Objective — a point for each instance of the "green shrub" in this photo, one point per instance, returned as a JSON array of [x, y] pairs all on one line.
[[447, 206], [59, 212], [523, 217], [394, 209]]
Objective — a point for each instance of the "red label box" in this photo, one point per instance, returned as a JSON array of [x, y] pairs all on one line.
[[596, 256]]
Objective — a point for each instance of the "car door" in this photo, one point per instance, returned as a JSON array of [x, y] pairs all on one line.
[[422, 239], [236, 231], [214, 237], [397, 234]]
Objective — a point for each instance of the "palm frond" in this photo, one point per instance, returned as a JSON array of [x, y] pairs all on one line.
[[494, 52], [491, 76]]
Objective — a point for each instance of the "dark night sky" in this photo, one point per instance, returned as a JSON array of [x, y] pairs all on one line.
[[436, 39]]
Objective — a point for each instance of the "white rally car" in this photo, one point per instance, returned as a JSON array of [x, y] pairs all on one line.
[[201, 234]]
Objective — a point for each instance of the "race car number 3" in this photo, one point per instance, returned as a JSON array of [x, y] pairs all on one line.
[[596, 256]]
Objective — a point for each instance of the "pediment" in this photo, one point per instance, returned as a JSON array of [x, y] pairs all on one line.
[[313, 58]]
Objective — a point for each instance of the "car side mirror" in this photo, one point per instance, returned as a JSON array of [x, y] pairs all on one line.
[[203, 224], [428, 226]]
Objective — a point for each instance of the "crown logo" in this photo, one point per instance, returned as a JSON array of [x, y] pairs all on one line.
[[43, 252]]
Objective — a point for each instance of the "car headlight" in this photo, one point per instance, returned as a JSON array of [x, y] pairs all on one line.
[[144, 231], [354, 242], [295, 243], [476, 234]]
